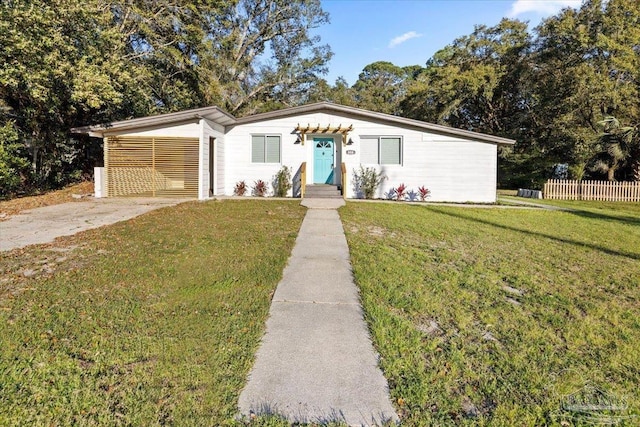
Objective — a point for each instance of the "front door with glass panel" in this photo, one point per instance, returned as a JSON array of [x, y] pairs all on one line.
[[323, 160]]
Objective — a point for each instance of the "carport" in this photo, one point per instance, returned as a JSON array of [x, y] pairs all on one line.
[[151, 166]]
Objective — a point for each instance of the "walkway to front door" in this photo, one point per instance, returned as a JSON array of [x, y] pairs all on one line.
[[316, 363], [323, 160]]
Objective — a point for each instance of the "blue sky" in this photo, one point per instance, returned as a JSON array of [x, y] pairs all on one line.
[[408, 32]]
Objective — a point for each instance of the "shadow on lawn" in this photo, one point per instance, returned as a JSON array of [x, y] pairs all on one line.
[[630, 220], [631, 255]]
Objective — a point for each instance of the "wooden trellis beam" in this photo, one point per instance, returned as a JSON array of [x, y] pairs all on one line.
[[303, 131]]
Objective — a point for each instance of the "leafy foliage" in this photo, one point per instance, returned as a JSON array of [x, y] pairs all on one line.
[[14, 168], [547, 88], [67, 63], [400, 192], [282, 182], [240, 188], [380, 87], [620, 150], [424, 192], [260, 188], [412, 196], [366, 181]]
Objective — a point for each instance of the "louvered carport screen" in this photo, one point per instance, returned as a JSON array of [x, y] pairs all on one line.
[[151, 166]]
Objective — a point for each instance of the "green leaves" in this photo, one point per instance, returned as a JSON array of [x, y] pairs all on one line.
[[67, 63], [619, 150]]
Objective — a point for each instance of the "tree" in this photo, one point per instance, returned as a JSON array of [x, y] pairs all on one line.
[[480, 83], [66, 63], [262, 52], [619, 150], [62, 65], [587, 68], [339, 93], [380, 87], [475, 83]]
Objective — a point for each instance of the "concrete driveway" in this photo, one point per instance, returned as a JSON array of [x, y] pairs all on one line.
[[43, 225]]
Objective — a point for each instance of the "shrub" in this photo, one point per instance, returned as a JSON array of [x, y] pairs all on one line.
[[260, 188], [14, 166], [240, 188], [401, 192], [424, 193], [366, 181], [282, 182]]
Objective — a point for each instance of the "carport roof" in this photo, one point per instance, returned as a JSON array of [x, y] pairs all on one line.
[[212, 113]]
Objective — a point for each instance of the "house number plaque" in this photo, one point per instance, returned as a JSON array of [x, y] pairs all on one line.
[[351, 151]]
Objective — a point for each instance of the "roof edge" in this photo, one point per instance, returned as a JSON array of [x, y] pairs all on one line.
[[166, 118], [329, 106]]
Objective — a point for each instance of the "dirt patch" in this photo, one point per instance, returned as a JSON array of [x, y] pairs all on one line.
[[19, 268], [380, 232]]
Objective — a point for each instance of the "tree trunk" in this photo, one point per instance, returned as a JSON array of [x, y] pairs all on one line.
[[611, 172]]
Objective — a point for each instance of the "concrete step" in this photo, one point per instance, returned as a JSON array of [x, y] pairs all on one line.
[[322, 192]]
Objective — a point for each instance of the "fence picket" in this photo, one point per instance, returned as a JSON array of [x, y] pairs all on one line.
[[605, 191]]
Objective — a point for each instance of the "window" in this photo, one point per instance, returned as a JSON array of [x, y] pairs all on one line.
[[265, 148], [390, 151], [383, 150]]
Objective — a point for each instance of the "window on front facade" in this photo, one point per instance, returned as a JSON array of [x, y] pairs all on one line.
[[381, 150], [265, 148]]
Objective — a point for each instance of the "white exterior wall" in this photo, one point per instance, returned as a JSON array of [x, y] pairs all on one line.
[[221, 166], [453, 169], [186, 130], [99, 187], [210, 129], [238, 153]]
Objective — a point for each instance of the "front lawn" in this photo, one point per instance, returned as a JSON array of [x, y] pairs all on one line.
[[152, 321], [497, 316]]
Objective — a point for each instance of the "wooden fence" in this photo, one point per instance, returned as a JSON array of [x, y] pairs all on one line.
[[605, 191]]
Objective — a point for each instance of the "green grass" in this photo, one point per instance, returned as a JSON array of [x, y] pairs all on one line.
[[153, 321], [460, 346]]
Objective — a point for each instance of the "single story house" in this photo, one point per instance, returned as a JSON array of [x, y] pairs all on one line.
[[204, 152]]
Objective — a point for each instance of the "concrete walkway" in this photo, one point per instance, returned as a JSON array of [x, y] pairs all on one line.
[[316, 362]]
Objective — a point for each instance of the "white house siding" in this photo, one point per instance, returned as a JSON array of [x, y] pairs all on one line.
[[211, 129], [461, 170], [221, 167], [238, 146], [189, 129], [237, 150], [453, 169]]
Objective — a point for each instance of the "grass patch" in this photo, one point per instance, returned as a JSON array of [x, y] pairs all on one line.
[[152, 321], [495, 316]]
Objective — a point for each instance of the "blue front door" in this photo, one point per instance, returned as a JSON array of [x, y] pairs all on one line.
[[322, 160]]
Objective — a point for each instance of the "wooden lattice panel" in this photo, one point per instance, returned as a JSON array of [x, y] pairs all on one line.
[[151, 166]]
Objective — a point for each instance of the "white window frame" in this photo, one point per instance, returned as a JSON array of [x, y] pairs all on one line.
[[267, 135], [379, 138]]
